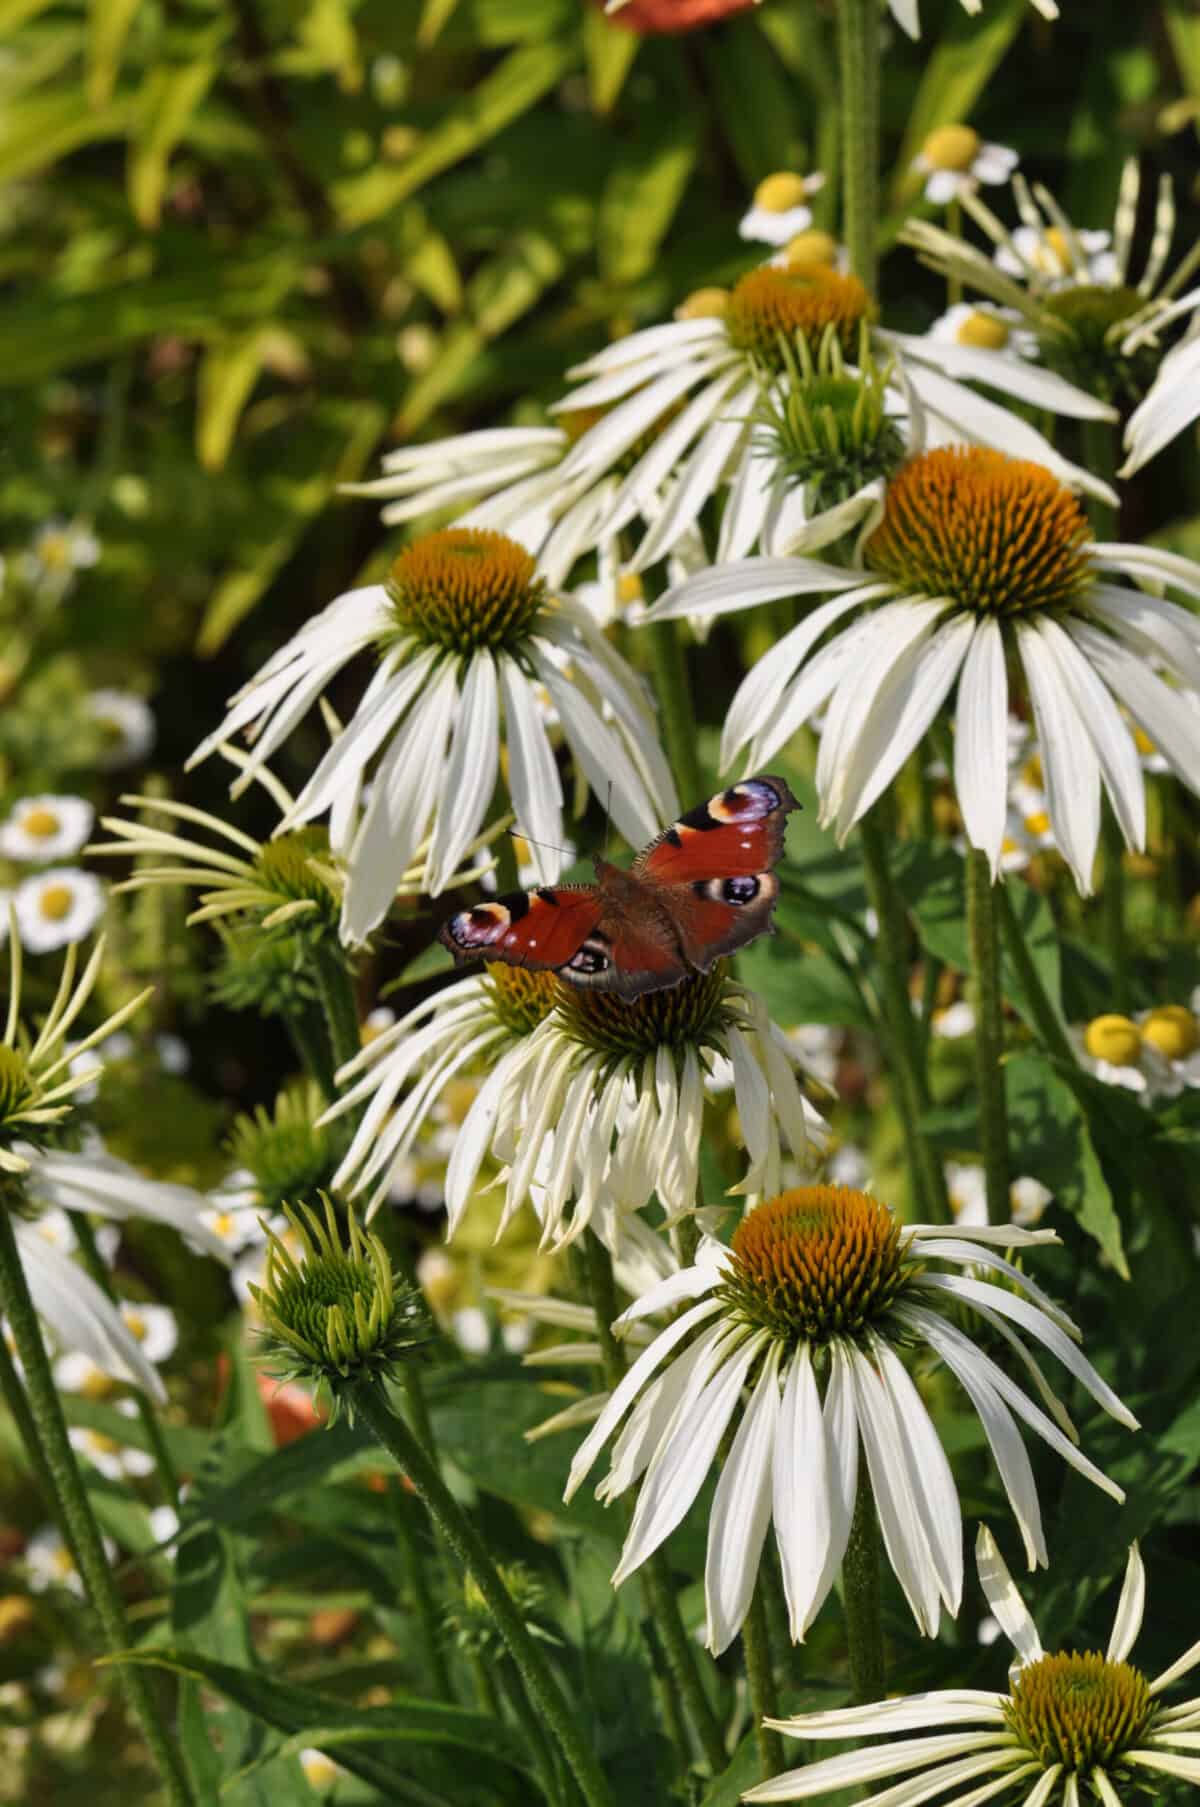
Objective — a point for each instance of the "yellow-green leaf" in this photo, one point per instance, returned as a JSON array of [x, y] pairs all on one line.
[[609, 50], [168, 98], [108, 27], [958, 70], [642, 194], [42, 128], [227, 377]]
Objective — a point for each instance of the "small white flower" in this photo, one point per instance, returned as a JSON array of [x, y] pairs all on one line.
[[995, 329], [57, 907], [153, 1327], [907, 16], [967, 1188], [59, 550], [320, 1771], [128, 725], [1073, 1726], [1085, 258], [1155, 1054], [954, 160], [812, 1309], [231, 1215], [780, 207], [49, 1563], [471, 1331], [955, 1021], [46, 828], [117, 1461]]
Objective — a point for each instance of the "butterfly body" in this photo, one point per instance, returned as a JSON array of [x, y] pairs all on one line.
[[705, 887]]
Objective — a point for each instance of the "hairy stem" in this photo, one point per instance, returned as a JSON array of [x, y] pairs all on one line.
[[984, 942], [671, 685], [860, 1582], [756, 1648], [1045, 1016], [336, 988], [858, 72]]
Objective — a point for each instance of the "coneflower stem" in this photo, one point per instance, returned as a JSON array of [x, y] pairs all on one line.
[[405, 1509], [336, 988], [513, 1690], [861, 1596], [756, 1648], [984, 943], [1046, 1019], [909, 1084], [309, 1040], [858, 80], [659, 1592], [15, 1398], [674, 693], [1112, 897], [75, 1508], [462, 1537], [94, 1263]]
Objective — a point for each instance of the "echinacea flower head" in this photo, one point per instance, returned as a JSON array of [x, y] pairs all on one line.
[[981, 565], [46, 828], [815, 1309], [1073, 1725], [465, 632], [1095, 320], [954, 160], [334, 1314], [57, 907], [591, 1105], [282, 1155]]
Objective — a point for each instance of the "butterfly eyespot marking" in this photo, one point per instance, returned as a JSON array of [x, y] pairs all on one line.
[[590, 958], [741, 890]]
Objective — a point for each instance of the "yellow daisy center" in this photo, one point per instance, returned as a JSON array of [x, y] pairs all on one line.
[[521, 999], [816, 1263], [675, 1017], [1079, 1710], [54, 550], [768, 305], [953, 147], [1115, 1039], [983, 330], [703, 304], [54, 902], [997, 534], [463, 589], [41, 823], [1173, 1030], [781, 192], [811, 250]]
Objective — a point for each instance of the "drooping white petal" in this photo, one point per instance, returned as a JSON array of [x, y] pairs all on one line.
[[616, 432], [1008, 1608], [1149, 564], [1069, 761], [1130, 1609], [800, 1484], [741, 1511], [1169, 717], [743, 583], [855, 1767], [1113, 743], [673, 339], [1163, 630], [899, 1519], [931, 1481], [981, 742], [601, 756], [645, 1427], [1169, 407], [640, 488], [999, 370], [94, 1181], [911, 1713], [934, 1248], [470, 776], [697, 480], [533, 780], [956, 413], [79, 1315]]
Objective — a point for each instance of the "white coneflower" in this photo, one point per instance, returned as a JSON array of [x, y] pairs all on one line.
[[1072, 1725], [954, 160], [980, 563], [127, 724], [115, 1460], [1094, 320], [907, 16], [996, 329], [57, 907], [464, 630], [49, 1563], [814, 1308], [46, 828], [690, 393], [1155, 1054], [595, 1107], [779, 209]]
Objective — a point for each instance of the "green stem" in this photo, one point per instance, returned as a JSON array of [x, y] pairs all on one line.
[[462, 1537], [336, 988], [513, 1690], [757, 1651], [73, 1503], [1100, 450], [954, 287], [657, 1586], [984, 943], [15, 1399], [858, 72], [674, 693], [486, 1698], [404, 1510], [1112, 898], [1045, 1016], [311, 1044], [168, 1475], [904, 1032], [860, 1585]]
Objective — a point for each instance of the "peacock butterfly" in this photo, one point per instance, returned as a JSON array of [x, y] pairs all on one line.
[[702, 889]]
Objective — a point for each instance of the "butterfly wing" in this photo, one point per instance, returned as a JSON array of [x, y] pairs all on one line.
[[712, 871], [547, 930]]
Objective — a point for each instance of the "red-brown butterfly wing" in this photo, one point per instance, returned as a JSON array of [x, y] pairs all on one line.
[[544, 929], [712, 870]]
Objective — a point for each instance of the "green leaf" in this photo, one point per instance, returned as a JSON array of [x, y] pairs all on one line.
[[186, 1445], [609, 49], [108, 27], [744, 1770], [228, 374], [755, 101], [1050, 1137], [169, 97], [43, 128], [1182, 24], [643, 193], [510, 90], [957, 70]]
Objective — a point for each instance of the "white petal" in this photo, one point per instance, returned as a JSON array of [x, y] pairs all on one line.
[[1150, 564], [1118, 757], [1130, 1609], [640, 488], [1151, 625], [604, 761], [981, 742], [745, 582], [872, 1765], [1010, 376], [673, 337], [470, 776], [1169, 408], [801, 1502], [79, 1315], [697, 481], [741, 1511], [911, 1713], [615, 432], [1177, 1670], [1171, 718], [1069, 761], [899, 1520], [962, 414], [930, 1478], [1008, 1608], [533, 780]]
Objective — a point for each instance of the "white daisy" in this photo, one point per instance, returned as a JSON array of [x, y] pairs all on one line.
[[57, 907], [967, 1190], [49, 1563], [1155, 1054], [1072, 1726], [1058, 260], [907, 16], [954, 160], [942, 597], [812, 1309], [696, 385], [59, 550], [591, 1105], [780, 207], [127, 723], [117, 1461], [993, 328], [46, 828], [463, 630]]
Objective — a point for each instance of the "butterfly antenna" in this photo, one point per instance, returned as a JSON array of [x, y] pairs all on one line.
[[518, 834]]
